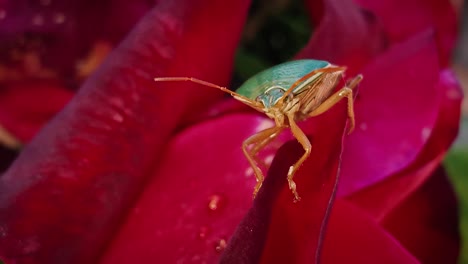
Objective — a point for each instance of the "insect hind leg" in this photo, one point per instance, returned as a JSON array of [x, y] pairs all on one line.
[[259, 140]]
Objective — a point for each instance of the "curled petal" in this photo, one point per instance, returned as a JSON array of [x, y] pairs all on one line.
[[70, 188]]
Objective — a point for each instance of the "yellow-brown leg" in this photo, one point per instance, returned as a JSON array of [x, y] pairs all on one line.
[[258, 138], [260, 145], [345, 92], [301, 138]]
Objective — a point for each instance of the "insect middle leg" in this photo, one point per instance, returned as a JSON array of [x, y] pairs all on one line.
[[345, 92], [304, 141], [261, 139]]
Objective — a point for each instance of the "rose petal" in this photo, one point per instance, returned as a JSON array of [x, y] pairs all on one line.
[[354, 237], [7, 156], [395, 105], [345, 36], [402, 19], [71, 186], [26, 106], [427, 222], [62, 32], [196, 198], [381, 198]]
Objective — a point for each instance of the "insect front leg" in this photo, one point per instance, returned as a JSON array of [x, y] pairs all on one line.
[[260, 140], [304, 141]]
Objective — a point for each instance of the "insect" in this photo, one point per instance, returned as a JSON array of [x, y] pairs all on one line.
[[288, 93]]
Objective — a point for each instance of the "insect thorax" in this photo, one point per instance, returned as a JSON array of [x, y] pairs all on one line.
[[271, 96]]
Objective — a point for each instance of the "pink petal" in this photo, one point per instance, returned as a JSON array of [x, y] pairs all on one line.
[[345, 36], [396, 104], [196, 198], [382, 198], [403, 19], [354, 237]]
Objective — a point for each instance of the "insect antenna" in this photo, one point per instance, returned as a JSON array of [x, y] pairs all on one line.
[[237, 96], [194, 80]]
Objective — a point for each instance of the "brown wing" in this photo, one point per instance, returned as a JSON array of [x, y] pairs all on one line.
[[315, 94]]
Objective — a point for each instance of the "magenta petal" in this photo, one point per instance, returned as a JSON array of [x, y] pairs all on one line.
[[395, 110], [345, 36], [196, 198], [354, 237], [69, 190], [426, 223], [380, 199], [402, 19]]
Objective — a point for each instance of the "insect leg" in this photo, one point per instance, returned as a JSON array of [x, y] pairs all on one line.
[[345, 92], [258, 138], [301, 138], [260, 145]]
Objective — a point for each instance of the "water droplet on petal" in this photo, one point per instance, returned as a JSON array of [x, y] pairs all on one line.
[[38, 20], [59, 18], [215, 202], [2, 14], [363, 126], [45, 2], [249, 172], [220, 245], [203, 233], [269, 159], [425, 133]]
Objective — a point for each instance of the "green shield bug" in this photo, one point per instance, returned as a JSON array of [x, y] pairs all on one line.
[[288, 93]]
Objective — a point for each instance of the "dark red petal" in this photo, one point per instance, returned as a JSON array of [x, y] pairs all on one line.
[[197, 197], [345, 36], [395, 109], [62, 32], [381, 198], [7, 156], [68, 191], [354, 237], [26, 106], [403, 19], [427, 223], [276, 230]]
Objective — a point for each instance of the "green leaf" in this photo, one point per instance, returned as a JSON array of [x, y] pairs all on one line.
[[456, 164]]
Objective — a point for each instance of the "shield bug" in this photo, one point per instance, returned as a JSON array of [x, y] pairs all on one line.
[[288, 93]]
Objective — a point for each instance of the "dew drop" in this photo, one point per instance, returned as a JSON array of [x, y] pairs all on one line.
[[220, 245], [203, 233], [269, 159], [363, 126], [59, 18], [3, 231], [425, 133], [215, 202], [45, 2], [2, 14], [38, 20], [249, 172]]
